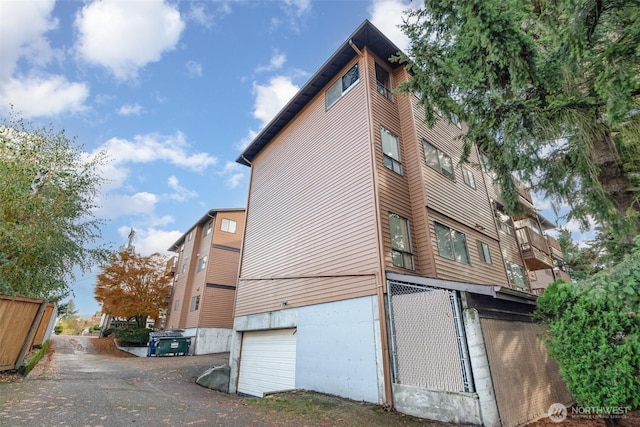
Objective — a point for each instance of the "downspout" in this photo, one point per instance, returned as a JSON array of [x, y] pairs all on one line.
[[236, 337], [380, 277]]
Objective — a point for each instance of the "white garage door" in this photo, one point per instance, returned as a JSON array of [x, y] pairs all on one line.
[[267, 362]]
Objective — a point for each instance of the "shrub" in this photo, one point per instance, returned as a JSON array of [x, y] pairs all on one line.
[[132, 334], [57, 329], [95, 328], [592, 328], [107, 332]]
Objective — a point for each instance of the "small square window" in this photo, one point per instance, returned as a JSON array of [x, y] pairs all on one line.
[[484, 252], [341, 86], [391, 151], [195, 303], [452, 244], [468, 177], [401, 252], [202, 263], [438, 160], [176, 305], [228, 225]]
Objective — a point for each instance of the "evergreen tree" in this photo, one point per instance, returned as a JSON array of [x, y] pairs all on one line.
[[550, 91]]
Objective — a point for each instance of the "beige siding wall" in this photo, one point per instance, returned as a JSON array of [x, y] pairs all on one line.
[[224, 238], [311, 209], [422, 249], [393, 188], [477, 271], [455, 198], [217, 312], [521, 371]]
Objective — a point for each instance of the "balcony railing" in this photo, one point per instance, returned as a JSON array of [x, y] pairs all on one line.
[[534, 249], [554, 246], [523, 191]]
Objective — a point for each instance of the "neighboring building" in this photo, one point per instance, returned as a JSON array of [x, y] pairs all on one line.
[[205, 275], [377, 268]]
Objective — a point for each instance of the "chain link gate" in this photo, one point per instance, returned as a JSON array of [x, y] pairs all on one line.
[[428, 343]]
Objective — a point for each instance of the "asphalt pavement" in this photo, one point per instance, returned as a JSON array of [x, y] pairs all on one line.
[[79, 388]]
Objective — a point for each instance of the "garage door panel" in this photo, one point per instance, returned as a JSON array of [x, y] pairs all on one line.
[[267, 362]]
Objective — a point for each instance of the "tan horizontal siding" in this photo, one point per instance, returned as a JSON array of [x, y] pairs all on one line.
[[258, 296], [225, 238], [217, 310], [222, 268], [466, 205], [475, 272], [311, 207]]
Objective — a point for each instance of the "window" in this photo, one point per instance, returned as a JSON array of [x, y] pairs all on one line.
[[202, 263], [516, 275], [468, 177], [207, 228], [190, 236], [176, 305], [391, 151], [400, 242], [341, 86], [456, 120], [228, 225], [452, 244], [184, 266], [438, 160], [383, 82], [504, 221], [483, 251], [195, 303]]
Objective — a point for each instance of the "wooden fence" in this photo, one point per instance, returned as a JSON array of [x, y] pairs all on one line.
[[24, 323]]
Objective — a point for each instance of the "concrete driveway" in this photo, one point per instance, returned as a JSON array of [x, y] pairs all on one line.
[[79, 388]]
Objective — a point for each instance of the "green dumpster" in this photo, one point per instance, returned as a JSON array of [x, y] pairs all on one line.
[[178, 346]]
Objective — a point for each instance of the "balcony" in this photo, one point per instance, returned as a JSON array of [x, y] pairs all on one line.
[[171, 265], [554, 246], [534, 249], [523, 191], [560, 274]]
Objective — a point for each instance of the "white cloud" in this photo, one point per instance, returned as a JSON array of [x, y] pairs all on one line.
[[244, 142], [181, 193], [275, 63], [272, 97], [387, 15], [150, 240], [297, 8], [130, 110], [124, 36], [234, 172], [155, 147], [194, 69], [24, 24], [49, 96], [116, 205]]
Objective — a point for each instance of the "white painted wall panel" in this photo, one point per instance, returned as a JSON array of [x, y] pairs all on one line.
[[337, 349]]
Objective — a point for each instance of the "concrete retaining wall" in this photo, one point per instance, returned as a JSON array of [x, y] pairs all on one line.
[[447, 406]]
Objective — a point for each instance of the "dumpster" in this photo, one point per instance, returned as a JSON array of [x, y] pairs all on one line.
[[168, 343]]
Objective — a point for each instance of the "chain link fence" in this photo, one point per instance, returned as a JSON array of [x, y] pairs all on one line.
[[429, 347]]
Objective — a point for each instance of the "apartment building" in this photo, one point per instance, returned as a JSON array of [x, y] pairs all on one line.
[[376, 267], [205, 272]]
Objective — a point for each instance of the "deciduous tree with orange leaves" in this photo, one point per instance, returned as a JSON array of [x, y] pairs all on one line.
[[132, 286]]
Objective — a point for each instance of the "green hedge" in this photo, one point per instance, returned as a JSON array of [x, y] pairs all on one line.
[[132, 335]]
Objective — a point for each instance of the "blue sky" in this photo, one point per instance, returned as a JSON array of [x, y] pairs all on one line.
[[172, 90]]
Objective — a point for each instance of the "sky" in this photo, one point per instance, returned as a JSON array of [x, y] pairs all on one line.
[[172, 91]]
